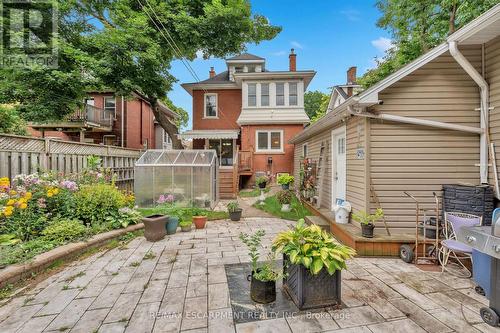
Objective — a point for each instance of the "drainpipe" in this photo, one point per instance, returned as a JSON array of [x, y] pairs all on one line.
[[123, 122], [484, 96]]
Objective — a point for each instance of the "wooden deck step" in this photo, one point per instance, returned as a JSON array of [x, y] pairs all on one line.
[[319, 221]]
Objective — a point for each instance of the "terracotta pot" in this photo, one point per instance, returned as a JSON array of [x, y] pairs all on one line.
[[199, 221], [154, 227]]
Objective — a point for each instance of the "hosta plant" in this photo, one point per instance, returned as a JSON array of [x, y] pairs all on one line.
[[313, 248], [285, 179]]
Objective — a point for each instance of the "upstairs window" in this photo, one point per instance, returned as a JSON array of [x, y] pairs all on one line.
[[252, 94], [210, 105], [280, 94], [270, 141], [109, 107], [292, 93], [264, 94]]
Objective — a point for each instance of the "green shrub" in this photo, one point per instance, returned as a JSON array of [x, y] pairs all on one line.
[[22, 252], [65, 230], [98, 203], [285, 179]]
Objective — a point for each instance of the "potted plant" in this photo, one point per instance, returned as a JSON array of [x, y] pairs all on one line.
[[172, 224], [234, 211], [263, 277], [367, 221], [312, 262], [284, 197], [155, 227], [186, 225], [285, 180], [199, 218], [261, 182]]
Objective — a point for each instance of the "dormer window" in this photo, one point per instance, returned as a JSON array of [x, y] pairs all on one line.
[[252, 94], [292, 93], [238, 69], [210, 105]]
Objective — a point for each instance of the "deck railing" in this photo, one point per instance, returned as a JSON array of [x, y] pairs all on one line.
[[245, 161], [92, 114]]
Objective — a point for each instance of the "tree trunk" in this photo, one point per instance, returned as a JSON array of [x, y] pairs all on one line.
[[167, 124], [451, 24]]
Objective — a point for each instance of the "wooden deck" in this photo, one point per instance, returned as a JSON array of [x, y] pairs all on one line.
[[380, 245]]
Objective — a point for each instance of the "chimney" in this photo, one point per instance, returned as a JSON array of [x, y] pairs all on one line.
[[351, 79], [212, 72], [293, 60]]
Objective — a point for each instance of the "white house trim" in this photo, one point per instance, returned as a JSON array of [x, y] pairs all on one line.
[[205, 106], [269, 150]]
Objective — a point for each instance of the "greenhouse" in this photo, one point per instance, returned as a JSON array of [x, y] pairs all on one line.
[[180, 177]]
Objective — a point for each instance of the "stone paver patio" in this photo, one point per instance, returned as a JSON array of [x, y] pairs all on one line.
[[180, 284]]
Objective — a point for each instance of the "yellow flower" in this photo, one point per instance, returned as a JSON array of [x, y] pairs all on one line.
[[24, 205], [56, 191], [11, 202], [8, 210], [12, 192], [5, 182], [28, 195], [21, 200]]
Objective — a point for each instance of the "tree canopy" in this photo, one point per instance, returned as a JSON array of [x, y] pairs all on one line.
[[416, 26], [128, 45], [315, 104]]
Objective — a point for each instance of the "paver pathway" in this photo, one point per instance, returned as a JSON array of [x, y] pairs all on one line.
[[179, 284]]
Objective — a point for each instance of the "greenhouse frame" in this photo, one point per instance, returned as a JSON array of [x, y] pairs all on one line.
[[182, 177]]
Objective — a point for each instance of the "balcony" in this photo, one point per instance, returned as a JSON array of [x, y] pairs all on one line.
[[88, 117], [245, 162]]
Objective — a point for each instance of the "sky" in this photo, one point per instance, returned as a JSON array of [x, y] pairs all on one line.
[[329, 36]]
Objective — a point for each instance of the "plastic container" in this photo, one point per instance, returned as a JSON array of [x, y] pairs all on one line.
[[342, 210]]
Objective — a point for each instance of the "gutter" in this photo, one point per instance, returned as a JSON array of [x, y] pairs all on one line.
[[484, 97]]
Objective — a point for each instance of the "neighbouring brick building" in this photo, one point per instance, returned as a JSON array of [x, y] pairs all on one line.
[[110, 120], [248, 114]]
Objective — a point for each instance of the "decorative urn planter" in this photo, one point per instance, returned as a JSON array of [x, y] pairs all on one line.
[[154, 227], [236, 215], [311, 291], [172, 224], [367, 230], [262, 292], [199, 221]]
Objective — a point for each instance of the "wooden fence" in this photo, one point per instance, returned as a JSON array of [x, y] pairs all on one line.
[[25, 155]]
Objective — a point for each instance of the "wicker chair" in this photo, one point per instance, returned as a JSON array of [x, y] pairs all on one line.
[[450, 246]]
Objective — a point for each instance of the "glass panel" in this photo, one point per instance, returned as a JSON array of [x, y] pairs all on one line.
[[252, 94], [215, 145], [292, 93], [211, 106], [149, 157], [262, 140], [280, 94], [264, 94], [276, 140], [226, 154]]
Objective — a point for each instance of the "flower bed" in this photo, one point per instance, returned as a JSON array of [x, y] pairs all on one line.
[[39, 212]]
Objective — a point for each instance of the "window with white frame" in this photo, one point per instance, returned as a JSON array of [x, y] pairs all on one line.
[[269, 141], [292, 93], [210, 105], [280, 94], [304, 150], [252, 94], [264, 94], [109, 107]]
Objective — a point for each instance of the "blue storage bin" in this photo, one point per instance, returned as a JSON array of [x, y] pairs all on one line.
[[481, 269]]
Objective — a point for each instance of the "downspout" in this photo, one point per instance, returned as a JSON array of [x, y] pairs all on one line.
[[122, 122], [484, 96]]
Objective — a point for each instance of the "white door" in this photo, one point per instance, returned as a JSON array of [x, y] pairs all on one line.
[[338, 165]]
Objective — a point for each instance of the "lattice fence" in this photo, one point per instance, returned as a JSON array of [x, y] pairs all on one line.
[[24, 155]]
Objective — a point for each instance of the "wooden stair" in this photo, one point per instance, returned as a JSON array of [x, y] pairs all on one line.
[[319, 221], [226, 184]]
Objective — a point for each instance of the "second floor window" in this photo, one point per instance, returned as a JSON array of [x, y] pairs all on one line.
[[210, 105], [292, 93], [110, 106], [280, 94], [252, 94], [264, 94]]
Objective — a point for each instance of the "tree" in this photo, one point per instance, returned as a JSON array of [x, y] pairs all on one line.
[[10, 121], [315, 104], [128, 45], [416, 26]]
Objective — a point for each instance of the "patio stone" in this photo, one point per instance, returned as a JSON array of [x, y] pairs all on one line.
[[143, 318], [455, 322], [221, 321], [59, 302], [265, 326], [90, 321], [37, 324], [113, 328], [421, 300], [123, 308], [311, 322], [153, 291], [108, 296], [19, 317], [419, 316], [351, 317], [218, 296], [71, 314], [397, 326], [195, 313]]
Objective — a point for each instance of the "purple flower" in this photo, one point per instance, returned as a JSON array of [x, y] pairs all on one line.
[[169, 198], [70, 185]]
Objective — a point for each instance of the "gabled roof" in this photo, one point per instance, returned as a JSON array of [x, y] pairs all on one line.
[[245, 56]]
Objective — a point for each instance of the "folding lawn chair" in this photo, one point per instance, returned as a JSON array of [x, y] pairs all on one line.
[[450, 246]]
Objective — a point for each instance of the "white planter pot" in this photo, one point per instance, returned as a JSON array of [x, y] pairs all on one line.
[[285, 207]]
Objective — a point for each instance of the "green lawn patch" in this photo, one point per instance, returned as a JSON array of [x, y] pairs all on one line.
[[252, 193], [186, 212], [273, 207]]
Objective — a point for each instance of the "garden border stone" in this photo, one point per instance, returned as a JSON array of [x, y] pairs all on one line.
[[16, 272]]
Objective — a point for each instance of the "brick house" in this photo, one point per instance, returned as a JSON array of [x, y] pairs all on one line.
[[247, 114], [110, 120]]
